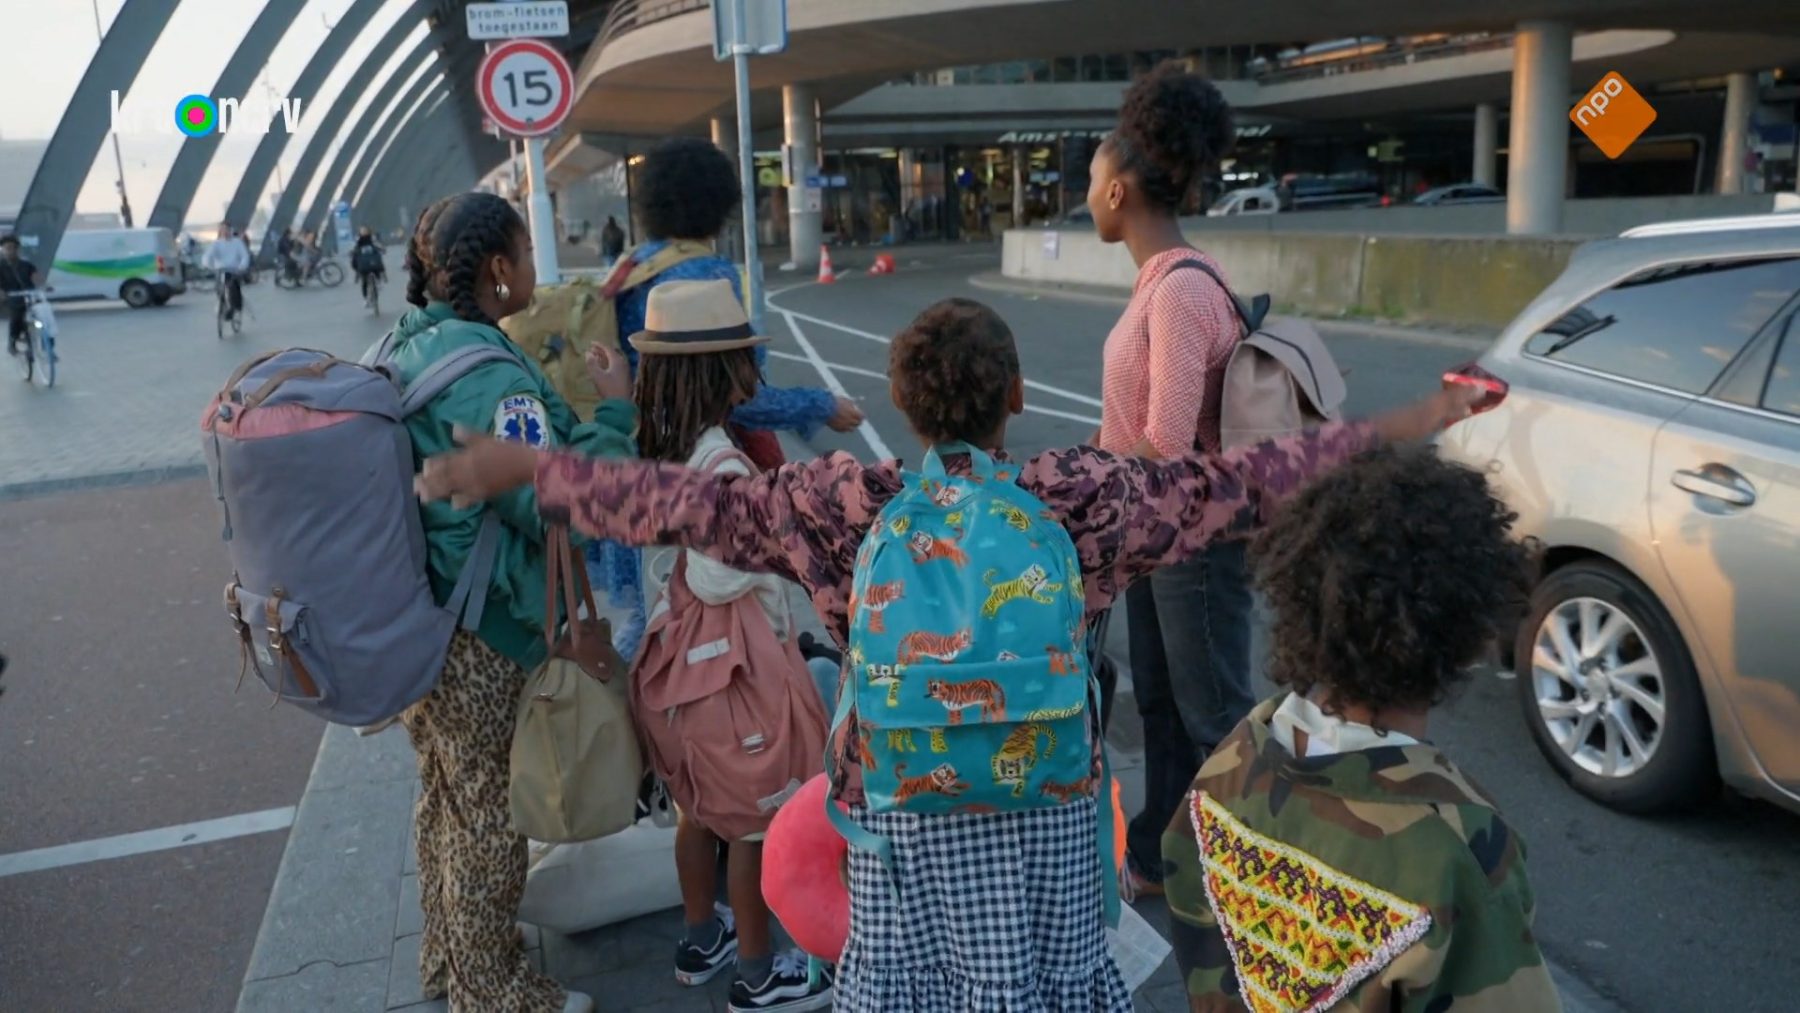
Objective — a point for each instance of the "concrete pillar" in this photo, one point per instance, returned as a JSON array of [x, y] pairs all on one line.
[[1537, 168], [725, 138], [800, 119], [1487, 136], [1734, 133], [1018, 188]]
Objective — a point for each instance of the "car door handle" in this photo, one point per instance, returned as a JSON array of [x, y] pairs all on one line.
[[1717, 482]]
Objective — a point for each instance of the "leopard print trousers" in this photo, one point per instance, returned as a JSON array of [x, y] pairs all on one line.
[[471, 862]]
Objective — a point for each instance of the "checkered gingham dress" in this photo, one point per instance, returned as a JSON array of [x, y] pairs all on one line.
[[997, 914]]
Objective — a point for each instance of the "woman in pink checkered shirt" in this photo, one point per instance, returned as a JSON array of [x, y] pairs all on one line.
[[1164, 369]]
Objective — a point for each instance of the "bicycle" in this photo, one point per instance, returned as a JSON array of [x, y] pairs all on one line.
[[37, 359], [371, 289], [326, 272], [224, 313]]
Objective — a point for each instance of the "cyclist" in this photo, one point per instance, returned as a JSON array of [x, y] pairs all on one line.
[[230, 258], [17, 277], [286, 250], [366, 261]]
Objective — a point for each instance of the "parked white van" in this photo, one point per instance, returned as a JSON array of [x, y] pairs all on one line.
[[139, 266]]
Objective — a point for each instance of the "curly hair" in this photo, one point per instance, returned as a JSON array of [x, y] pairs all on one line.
[[1388, 578], [1173, 126], [680, 397], [688, 190], [448, 245], [951, 369]]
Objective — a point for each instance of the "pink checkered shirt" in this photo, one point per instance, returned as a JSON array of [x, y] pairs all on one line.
[[1165, 360]]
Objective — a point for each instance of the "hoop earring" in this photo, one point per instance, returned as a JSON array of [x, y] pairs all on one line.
[[502, 292]]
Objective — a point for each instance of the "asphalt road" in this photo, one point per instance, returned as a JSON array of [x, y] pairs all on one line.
[[119, 715], [1688, 914]]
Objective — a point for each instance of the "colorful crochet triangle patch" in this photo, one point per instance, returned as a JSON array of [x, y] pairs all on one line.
[[1302, 935]]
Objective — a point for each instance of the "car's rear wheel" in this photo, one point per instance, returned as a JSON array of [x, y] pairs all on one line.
[[1610, 692], [136, 294]]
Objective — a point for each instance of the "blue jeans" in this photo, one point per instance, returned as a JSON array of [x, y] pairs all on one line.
[[1190, 671]]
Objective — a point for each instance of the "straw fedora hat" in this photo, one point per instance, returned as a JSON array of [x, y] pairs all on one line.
[[693, 318]]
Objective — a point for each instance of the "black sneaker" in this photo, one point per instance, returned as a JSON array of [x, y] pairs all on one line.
[[788, 989], [694, 966]]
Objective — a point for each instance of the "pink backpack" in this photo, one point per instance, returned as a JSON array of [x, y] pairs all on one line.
[[730, 718]]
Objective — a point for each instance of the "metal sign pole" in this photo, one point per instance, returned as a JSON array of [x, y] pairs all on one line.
[[543, 221], [747, 176]]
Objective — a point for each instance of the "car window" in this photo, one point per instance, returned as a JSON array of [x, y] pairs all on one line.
[[1783, 392], [1675, 326]]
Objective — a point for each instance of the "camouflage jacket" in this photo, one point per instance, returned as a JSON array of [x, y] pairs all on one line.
[[1376, 879]]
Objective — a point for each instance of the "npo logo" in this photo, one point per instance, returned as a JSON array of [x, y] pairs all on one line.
[[1613, 115], [200, 115]]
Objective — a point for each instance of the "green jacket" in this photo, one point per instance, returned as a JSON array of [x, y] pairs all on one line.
[[1371, 880], [511, 401]]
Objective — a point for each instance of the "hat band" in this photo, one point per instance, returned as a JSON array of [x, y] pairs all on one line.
[[736, 332]]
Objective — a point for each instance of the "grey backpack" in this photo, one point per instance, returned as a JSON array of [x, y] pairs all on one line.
[[311, 461], [1280, 378]]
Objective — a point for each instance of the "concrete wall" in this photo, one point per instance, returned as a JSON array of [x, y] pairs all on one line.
[[1479, 282], [1600, 217]]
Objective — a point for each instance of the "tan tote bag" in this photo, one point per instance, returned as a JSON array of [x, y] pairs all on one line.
[[576, 762]]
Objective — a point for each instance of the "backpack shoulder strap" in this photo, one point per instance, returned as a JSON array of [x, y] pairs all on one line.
[[1250, 314], [381, 351], [447, 370]]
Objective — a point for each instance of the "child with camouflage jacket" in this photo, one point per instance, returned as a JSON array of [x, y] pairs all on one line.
[[1329, 857]]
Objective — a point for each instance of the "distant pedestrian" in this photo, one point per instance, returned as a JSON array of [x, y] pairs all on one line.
[[470, 264], [1161, 381], [612, 240], [984, 908], [1327, 822]]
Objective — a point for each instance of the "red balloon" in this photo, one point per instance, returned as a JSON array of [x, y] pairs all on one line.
[[803, 873]]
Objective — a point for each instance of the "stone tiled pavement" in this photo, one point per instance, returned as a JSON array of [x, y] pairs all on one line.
[[131, 384]]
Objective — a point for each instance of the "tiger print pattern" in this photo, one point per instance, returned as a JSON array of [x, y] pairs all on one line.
[[1066, 793], [1062, 662], [1054, 713], [1019, 754], [889, 676], [957, 697], [876, 601], [944, 647], [943, 780], [900, 740], [1016, 518], [1032, 585], [927, 548]]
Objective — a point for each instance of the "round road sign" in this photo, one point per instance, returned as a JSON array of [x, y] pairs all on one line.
[[526, 87]]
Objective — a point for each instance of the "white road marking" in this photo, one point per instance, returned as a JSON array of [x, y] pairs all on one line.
[[146, 841], [839, 367], [878, 339], [836, 386]]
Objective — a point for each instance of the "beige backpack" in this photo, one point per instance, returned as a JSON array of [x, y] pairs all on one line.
[[1280, 379]]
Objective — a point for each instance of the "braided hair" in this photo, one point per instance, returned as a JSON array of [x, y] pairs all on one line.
[[452, 239], [680, 397], [1173, 126]]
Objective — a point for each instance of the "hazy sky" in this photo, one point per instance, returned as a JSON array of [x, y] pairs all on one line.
[[48, 49]]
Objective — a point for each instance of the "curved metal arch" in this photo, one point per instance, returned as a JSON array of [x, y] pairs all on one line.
[[63, 168], [362, 128], [464, 59], [196, 155], [324, 60], [300, 180], [382, 183]]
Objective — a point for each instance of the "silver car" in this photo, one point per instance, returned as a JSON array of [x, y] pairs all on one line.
[[1651, 446]]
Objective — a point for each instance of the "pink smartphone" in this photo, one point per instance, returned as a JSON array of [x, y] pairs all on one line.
[[1472, 375]]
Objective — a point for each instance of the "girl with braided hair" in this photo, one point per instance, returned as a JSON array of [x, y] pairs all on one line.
[[1161, 385], [470, 264]]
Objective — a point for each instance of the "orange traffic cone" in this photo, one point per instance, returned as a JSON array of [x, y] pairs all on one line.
[[884, 264], [826, 275]]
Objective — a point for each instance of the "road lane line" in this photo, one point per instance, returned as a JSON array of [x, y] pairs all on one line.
[[839, 367], [878, 339], [836, 386], [146, 841]]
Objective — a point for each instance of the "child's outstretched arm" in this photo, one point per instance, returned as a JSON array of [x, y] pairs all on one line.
[[803, 521], [1129, 516]]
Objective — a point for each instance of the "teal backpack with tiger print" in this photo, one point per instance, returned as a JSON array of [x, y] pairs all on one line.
[[967, 685]]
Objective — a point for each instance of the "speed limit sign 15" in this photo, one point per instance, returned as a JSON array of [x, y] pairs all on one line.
[[526, 87]]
